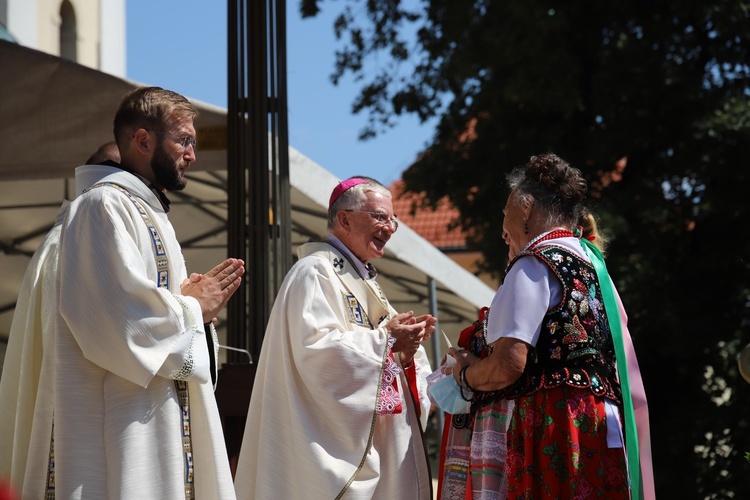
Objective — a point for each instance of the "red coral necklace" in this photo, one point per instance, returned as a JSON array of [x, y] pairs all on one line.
[[555, 233]]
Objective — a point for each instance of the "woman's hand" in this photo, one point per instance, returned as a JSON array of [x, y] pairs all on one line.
[[463, 358], [501, 368]]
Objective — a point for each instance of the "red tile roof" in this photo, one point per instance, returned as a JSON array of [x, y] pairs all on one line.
[[432, 225]]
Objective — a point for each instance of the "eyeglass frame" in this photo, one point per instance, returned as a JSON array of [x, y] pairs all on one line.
[[185, 140], [380, 218]]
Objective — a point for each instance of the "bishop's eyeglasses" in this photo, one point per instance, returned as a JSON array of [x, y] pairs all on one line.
[[381, 220]]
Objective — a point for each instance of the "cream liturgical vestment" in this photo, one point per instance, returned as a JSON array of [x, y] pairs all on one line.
[[21, 395], [123, 334], [313, 428]]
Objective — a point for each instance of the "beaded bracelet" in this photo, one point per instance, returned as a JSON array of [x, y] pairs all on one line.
[[463, 384]]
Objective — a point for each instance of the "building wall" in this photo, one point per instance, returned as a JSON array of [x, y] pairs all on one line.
[[100, 29], [87, 29]]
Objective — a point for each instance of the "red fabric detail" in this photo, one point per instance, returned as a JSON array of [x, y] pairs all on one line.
[[467, 333], [557, 448], [557, 233], [7, 492], [411, 378]]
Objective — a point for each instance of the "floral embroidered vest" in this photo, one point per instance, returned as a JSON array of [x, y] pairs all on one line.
[[575, 345]]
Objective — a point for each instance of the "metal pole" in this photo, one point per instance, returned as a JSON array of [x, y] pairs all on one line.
[[436, 339], [259, 192]]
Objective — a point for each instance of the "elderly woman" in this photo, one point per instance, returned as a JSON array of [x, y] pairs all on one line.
[[554, 337]]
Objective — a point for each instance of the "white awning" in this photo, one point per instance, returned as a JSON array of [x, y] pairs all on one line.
[[55, 113]]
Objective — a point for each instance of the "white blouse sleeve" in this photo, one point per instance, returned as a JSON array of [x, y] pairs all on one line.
[[519, 306]]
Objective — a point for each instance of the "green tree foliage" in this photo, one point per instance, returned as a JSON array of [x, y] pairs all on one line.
[[650, 99]]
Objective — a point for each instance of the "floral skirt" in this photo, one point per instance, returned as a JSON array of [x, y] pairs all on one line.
[[557, 448]]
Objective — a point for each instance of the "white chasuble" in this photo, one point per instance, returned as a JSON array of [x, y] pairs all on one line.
[[120, 341], [312, 428], [21, 393]]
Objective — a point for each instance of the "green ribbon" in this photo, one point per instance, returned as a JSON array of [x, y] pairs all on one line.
[[610, 306]]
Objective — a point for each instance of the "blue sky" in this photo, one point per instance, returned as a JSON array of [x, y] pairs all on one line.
[[181, 45]]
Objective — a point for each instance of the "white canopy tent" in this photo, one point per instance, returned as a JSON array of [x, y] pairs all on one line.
[[55, 113]]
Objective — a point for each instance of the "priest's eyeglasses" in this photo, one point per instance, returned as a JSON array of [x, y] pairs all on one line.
[[381, 220], [185, 140]]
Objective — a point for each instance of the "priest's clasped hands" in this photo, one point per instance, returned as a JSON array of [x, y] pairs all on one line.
[[214, 288], [410, 332]]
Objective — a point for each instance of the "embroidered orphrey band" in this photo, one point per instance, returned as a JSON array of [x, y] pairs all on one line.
[[183, 396], [160, 252], [49, 494]]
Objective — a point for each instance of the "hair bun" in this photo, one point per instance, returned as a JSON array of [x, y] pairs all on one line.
[[556, 176]]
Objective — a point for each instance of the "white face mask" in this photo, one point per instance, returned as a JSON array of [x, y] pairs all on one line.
[[444, 392]]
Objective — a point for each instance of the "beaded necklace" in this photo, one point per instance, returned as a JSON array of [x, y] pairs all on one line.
[[550, 235]]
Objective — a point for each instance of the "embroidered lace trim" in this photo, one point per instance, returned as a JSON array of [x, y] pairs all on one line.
[[188, 366], [389, 402]]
